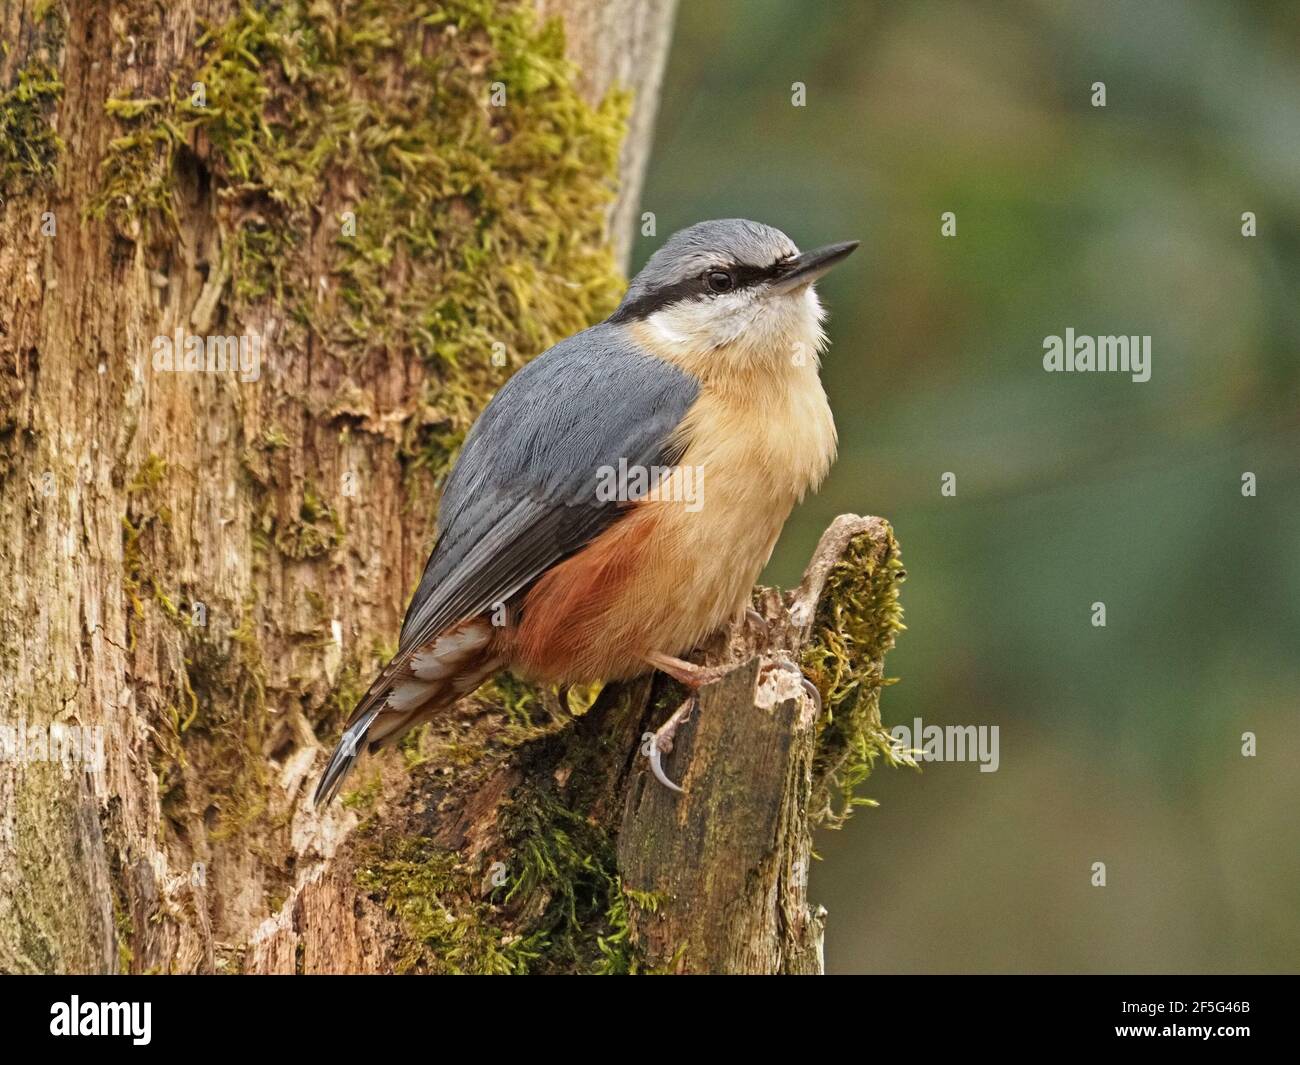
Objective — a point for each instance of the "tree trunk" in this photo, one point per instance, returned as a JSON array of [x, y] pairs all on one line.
[[386, 207]]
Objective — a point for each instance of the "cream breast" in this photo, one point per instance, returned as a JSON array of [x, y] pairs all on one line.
[[758, 438]]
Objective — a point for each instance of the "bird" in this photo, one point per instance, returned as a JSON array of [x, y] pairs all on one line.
[[613, 504]]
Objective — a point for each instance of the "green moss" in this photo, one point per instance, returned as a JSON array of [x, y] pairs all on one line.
[[152, 473], [209, 732], [275, 439], [567, 885], [450, 930], [520, 702], [561, 906], [29, 146], [347, 692], [492, 217], [565, 863], [855, 625], [124, 930], [315, 531], [618, 956], [230, 681], [143, 512], [364, 798], [531, 711], [208, 751]]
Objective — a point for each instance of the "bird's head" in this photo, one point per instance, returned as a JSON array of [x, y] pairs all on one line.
[[729, 295]]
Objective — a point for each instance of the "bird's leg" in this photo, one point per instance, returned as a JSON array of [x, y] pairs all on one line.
[[661, 741], [694, 678], [687, 673]]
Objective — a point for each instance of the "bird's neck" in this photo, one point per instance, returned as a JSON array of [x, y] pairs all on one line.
[[772, 347]]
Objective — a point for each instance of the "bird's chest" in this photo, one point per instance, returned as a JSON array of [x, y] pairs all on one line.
[[684, 561], [751, 457]]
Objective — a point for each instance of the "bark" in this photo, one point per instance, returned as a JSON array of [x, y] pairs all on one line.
[[201, 572], [621, 42], [714, 880]]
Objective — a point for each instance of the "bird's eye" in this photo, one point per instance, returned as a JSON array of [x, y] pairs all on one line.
[[719, 281]]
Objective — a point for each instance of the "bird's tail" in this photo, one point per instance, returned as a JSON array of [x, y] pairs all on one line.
[[344, 757], [417, 684]]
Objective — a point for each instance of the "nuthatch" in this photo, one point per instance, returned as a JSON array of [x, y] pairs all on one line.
[[577, 542]]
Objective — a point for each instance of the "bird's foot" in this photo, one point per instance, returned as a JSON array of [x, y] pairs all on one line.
[[813, 693], [756, 623], [809, 688], [688, 673], [695, 677], [661, 742]]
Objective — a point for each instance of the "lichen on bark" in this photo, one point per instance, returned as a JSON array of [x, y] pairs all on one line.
[[30, 146], [855, 626], [373, 182], [562, 909], [444, 143]]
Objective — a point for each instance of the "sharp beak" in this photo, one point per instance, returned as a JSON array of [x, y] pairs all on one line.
[[806, 268]]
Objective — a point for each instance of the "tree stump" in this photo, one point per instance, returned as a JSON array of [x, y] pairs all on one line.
[[597, 866]]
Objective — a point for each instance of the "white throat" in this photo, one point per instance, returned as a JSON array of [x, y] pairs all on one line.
[[739, 333]]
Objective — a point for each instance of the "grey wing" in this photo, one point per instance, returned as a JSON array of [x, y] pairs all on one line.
[[522, 496]]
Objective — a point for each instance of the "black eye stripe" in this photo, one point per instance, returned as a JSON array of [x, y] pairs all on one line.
[[742, 275], [747, 276]]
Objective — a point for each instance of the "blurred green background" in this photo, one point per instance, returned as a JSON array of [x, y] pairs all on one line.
[[1119, 744]]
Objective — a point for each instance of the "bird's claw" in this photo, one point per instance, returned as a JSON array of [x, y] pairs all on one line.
[[657, 768], [810, 689], [661, 742], [813, 693]]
